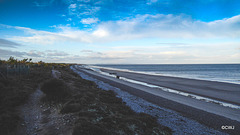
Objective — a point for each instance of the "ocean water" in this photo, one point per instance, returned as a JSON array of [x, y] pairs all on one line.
[[213, 72]]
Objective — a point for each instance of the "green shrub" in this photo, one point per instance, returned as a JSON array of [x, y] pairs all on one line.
[[55, 88]]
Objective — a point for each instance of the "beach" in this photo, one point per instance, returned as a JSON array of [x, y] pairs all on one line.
[[217, 90], [210, 114]]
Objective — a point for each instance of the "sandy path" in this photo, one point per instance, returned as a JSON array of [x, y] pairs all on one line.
[[56, 74], [41, 118], [31, 114]]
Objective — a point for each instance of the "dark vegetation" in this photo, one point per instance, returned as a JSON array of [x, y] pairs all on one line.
[[98, 112], [101, 112], [55, 89], [14, 91]]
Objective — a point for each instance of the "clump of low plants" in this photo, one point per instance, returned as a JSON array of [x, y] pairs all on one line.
[[55, 89]]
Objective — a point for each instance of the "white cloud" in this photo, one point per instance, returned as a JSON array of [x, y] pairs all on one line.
[[69, 19], [162, 56], [7, 53], [87, 51], [87, 10], [39, 39], [83, 9], [100, 33], [150, 2], [142, 26], [169, 26], [55, 53], [133, 57], [85, 1], [72, 6], [89, 20], [36, 55], [194, 53]]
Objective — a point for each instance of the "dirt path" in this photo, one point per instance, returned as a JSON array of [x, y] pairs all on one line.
[[56, 74], [44, 118], [31, 114]]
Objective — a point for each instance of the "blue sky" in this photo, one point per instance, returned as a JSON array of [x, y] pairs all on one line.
[[121, 31]]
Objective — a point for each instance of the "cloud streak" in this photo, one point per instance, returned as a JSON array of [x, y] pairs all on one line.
[[7, 53], [7, 43], [38, 55], [194, 53], [142, 26], [89, 20]]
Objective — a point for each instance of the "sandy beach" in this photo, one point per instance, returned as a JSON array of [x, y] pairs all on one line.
[[216, 90], [210, 114]]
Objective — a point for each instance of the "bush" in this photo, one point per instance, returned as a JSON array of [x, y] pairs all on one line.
[[88, 128], [9, 121], [55, 88]]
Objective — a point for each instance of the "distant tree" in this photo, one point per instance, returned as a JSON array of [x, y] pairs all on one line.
[[23, 61], [40, 63], [29, 62], [12, 60]]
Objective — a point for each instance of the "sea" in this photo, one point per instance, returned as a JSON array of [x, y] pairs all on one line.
[[214, 72]]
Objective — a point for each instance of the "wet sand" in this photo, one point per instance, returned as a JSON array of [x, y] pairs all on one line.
[[209, 114]]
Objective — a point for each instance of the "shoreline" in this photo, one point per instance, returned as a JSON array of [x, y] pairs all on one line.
[[186, 76], [209, 119], [187, 94], [226, 92]]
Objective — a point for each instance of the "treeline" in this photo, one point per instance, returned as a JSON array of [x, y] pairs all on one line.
[[13, 61], [28, 61]]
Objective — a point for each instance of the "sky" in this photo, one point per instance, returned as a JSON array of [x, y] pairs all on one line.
[[121, 31]]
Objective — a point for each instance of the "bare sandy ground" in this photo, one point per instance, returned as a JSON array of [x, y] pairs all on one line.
[[212, 115]]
